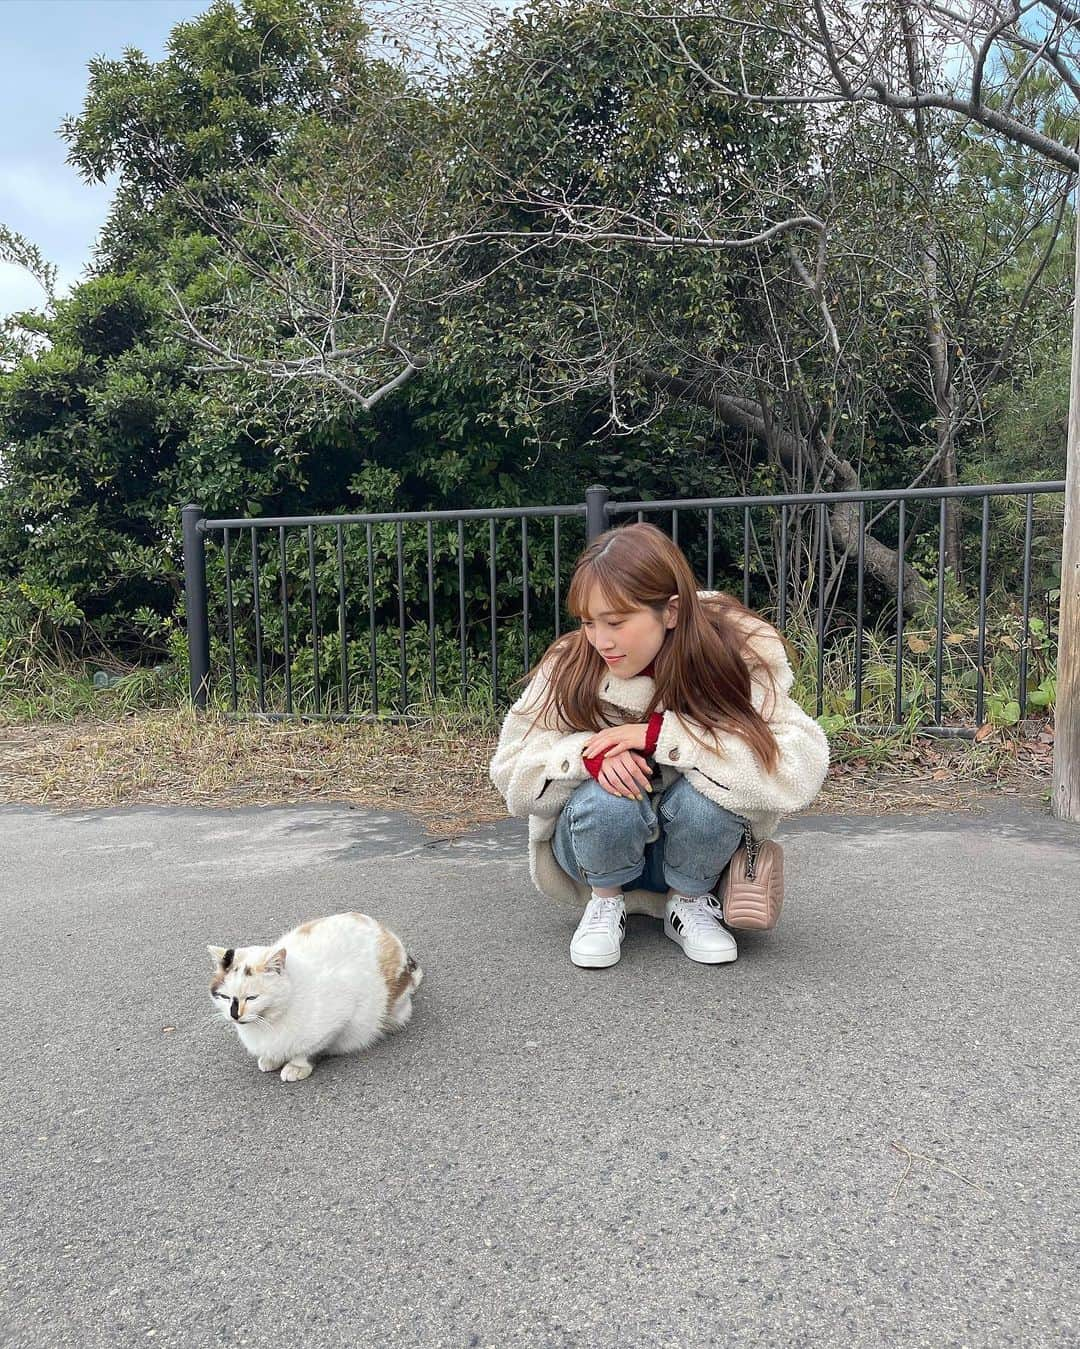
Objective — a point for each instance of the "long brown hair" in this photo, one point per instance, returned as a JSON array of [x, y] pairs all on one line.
[[700, 671]]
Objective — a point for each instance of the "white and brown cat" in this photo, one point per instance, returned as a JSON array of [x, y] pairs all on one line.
[[330, 986]]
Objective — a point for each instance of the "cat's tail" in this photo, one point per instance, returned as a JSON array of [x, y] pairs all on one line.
[[416, 974]]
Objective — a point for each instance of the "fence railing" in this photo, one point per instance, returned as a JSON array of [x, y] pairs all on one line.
[[368, 615]]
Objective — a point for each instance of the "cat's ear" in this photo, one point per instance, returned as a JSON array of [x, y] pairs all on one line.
[[223, 955], [275, 962]]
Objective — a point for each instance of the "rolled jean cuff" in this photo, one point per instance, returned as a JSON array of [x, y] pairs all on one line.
[[690, 885], [609, 879]]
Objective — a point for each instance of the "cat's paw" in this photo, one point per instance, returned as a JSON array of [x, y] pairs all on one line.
[[296, 1070], [267, 1064]]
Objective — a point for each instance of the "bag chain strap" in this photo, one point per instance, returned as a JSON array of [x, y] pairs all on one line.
[[751, 851]]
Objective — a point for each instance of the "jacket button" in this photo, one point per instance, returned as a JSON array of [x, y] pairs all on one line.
[[566, 766], [674, 755]]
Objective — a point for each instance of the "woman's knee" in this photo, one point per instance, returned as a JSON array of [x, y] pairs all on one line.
[[700, 837], [693, 813], [592, 806]]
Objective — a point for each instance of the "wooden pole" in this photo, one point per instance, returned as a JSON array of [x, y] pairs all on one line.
[[1065, 796]]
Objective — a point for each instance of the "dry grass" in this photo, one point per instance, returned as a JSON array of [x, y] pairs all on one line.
[[436, 772], [930, 774]]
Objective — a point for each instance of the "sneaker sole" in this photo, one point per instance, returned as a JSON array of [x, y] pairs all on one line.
[[703, 958], [596, 962]]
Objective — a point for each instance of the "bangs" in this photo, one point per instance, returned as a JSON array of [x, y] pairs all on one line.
[[612, 596]]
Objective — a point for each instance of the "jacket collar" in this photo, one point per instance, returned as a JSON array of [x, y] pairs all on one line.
[[632, 694]]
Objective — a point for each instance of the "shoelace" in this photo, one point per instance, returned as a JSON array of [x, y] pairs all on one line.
[[697, 916], [600, 915]]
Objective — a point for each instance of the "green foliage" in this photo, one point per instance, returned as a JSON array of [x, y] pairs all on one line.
[[109, 426], [236, 83], [1030, 422]]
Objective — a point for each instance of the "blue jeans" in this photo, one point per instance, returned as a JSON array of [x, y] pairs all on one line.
[[604, 839]]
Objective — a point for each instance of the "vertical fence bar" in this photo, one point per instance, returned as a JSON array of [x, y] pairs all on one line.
[[709, 544], [195, 605], [783, 568], [371, 622], [260, 677], [860, 572], [461, 601], [641, 517], [494, 609], [229, 613], [558, 583], [596, 512], [1025, 637], [746, 556], [980, 688], [821, 610], [897, 705], [939, 646], [313, 589], [525, 587], [403, 665], [431, 608], [342, 636], [285, 619], [675, 528]]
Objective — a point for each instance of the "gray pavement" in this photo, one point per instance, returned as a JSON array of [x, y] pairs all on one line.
[[657, 1154]]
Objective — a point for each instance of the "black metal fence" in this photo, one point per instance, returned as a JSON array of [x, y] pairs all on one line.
[[369, 615]]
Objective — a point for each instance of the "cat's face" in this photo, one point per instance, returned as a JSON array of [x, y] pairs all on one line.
[[248, 982]]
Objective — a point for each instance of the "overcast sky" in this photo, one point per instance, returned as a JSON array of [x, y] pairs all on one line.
[[43, 57]]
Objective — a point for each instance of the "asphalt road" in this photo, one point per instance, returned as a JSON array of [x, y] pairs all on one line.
[[864, 1132]]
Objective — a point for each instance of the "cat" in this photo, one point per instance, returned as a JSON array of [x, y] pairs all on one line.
[[330, 986]]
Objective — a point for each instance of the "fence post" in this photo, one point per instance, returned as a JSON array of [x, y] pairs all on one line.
[[596, 512], [198, 624]]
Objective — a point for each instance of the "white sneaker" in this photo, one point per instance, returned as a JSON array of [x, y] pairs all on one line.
[[597, 942], [694, 924]]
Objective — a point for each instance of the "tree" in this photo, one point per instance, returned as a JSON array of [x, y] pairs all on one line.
[[106, 424]]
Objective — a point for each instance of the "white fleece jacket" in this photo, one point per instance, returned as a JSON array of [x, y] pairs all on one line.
[[537, 770]]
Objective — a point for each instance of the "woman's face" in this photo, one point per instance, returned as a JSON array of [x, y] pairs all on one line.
[[627, 639]]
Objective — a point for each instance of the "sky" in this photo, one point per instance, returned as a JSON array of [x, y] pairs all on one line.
[[43, 58]]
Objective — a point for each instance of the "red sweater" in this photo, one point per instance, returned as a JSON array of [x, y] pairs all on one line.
[[656, 721]]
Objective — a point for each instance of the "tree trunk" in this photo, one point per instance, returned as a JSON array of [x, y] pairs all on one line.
[[1065, 795], [944, 393], [944, 404], [879, 559]]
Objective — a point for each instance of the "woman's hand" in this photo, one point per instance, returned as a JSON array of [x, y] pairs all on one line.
[[624, 773], [616, 739]]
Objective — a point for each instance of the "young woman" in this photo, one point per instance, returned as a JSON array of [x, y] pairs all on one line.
[[644, 743]]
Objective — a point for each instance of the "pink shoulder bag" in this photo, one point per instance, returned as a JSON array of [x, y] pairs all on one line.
[[752, 890]]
